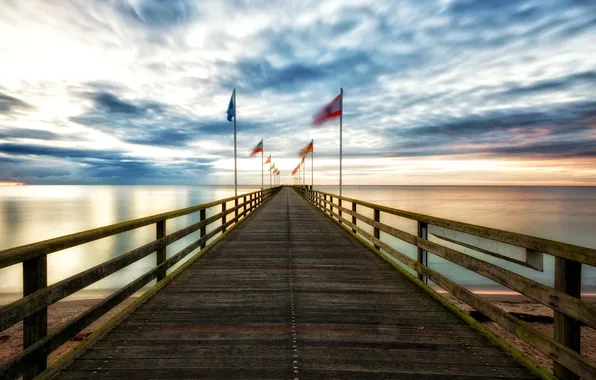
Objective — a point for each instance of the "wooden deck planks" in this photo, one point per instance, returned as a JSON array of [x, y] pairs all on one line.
[[288, 295]]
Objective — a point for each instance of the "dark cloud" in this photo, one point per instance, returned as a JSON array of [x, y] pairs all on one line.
[[351, 69], [581, 148], [151, 123], [9, 103], [580, 79], [142, 122], [29, 163], [159, 13], [563, 131], [50, 151], [571, 118], [18, 133], [110, 103]]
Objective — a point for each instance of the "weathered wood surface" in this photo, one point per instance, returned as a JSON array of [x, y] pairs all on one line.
[[289, 295]]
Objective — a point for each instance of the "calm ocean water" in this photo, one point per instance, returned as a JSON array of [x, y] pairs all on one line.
[[32, 213]]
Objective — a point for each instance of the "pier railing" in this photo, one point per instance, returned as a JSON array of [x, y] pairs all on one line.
[[38, 295], [565, 298]]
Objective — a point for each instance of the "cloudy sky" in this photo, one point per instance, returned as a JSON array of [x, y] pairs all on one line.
[[436, 91]]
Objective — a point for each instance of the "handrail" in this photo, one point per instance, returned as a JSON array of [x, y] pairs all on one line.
[[565, 250], [32, 308], [19, 254], [565, 299]]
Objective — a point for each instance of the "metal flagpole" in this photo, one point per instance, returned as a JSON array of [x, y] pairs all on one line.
[[312, 165], [270, 175], [341, 115], [235, 170], [262, 170], [304, 173]]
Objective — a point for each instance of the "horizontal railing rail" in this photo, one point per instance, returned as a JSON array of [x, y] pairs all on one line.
[[565, 298], [37, 295]]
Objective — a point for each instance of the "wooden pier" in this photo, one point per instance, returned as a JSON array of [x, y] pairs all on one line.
[[285, 293]]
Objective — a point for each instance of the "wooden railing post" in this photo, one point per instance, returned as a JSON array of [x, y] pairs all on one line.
[[160, 255], [376, 232], [422, 253], [35, 326], [203, 216], [331, 206], [568, 274], [339, 210], [223, 218], [236, 212], [353, 217], [244, 208]]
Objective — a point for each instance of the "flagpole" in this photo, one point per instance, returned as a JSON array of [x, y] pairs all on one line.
[[270, 175], [235, 169], [262, 170], [341, 115], [304, 173], [312, 165]]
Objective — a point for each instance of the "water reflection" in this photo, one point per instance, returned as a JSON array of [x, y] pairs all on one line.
[[33, 213], [566, 214]]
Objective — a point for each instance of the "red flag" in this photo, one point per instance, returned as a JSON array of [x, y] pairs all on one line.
[[258, 148], [330, 111], [306, 150]]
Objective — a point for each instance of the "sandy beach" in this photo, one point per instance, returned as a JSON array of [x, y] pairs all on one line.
[[11, 339], [536, 315]]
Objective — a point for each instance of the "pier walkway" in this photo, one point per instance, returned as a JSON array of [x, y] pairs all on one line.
[[289, 294]]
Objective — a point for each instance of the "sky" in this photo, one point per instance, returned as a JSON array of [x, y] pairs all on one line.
[[436, 92]]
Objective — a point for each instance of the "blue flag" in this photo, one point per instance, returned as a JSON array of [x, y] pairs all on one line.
[[230, 111]]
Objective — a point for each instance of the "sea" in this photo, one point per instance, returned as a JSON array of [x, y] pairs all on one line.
[[33, 213]]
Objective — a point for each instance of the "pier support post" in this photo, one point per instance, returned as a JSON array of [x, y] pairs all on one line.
[[160, 254], [422, 254], [244, 208], [376, 231], [339, 210], [223, 218], [203, 216], [35, 326], [236, 211], [353, 217], [568, 274], [331, 206]]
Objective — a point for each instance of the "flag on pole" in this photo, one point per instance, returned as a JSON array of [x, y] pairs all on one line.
[[230, 112], [330, 111], [258, 148], [295, 170], [306, 150], [272, 166], [268, 161], [302, 161]]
